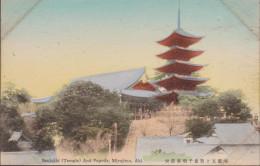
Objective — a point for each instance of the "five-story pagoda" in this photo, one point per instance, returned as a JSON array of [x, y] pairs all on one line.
[[178, 68]]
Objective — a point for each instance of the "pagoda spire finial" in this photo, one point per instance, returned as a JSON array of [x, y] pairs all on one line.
[[179, 16]]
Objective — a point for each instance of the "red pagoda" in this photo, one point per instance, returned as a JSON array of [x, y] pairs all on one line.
[[178, 69]]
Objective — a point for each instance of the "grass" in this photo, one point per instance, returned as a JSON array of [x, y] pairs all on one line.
[[161, 157]]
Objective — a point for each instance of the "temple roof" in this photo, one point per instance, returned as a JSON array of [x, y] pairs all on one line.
[[166, 96], [237, 133], [32, 115], [17, 135], [116, 80], [180, 53], [179, 67], [180, 38], [170, 144], [41, 100], [140, 93], [194, 93], [208, 140], [144, 86]]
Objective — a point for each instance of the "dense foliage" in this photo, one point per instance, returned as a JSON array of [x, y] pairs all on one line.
[[205, 88], [43, 140], [10, 119], [197, 127], [207, 107], [232, 103], [82, 109], [158, 75], [188, 100], [13, 97]]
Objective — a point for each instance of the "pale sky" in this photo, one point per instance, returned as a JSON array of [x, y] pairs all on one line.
[[64, 39]]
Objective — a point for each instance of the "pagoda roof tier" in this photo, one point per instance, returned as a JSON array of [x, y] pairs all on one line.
[[180, 38], [179, 67], [194, 93], [171, 96], [180, 53], [144, 86], [179, 82]]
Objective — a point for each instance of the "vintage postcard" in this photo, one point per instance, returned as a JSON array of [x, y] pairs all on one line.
[[129, 82]]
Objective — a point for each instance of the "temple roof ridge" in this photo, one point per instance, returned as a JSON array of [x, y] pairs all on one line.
[[142, 70]]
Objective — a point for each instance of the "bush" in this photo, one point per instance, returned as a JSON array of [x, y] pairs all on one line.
[[197, 127]]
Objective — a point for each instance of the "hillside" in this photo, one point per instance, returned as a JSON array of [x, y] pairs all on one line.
[[158, 125]]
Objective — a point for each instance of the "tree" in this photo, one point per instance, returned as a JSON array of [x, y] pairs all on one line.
[[232, 101], [191, 101], [43, 140], [207, 107], [188, 100], [197, 127], [10, 119], [84, 104], [11, 146], [158, 75], [15, 96], [205, 88], [4, 136], [173, 119]]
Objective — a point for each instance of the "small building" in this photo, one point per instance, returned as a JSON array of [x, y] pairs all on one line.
[[23, 142], [240, 142], [172, 148], [29, 115]]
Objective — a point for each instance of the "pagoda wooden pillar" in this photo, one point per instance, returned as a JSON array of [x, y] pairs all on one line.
[[141, 107], [144, 112], [135, 112]]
